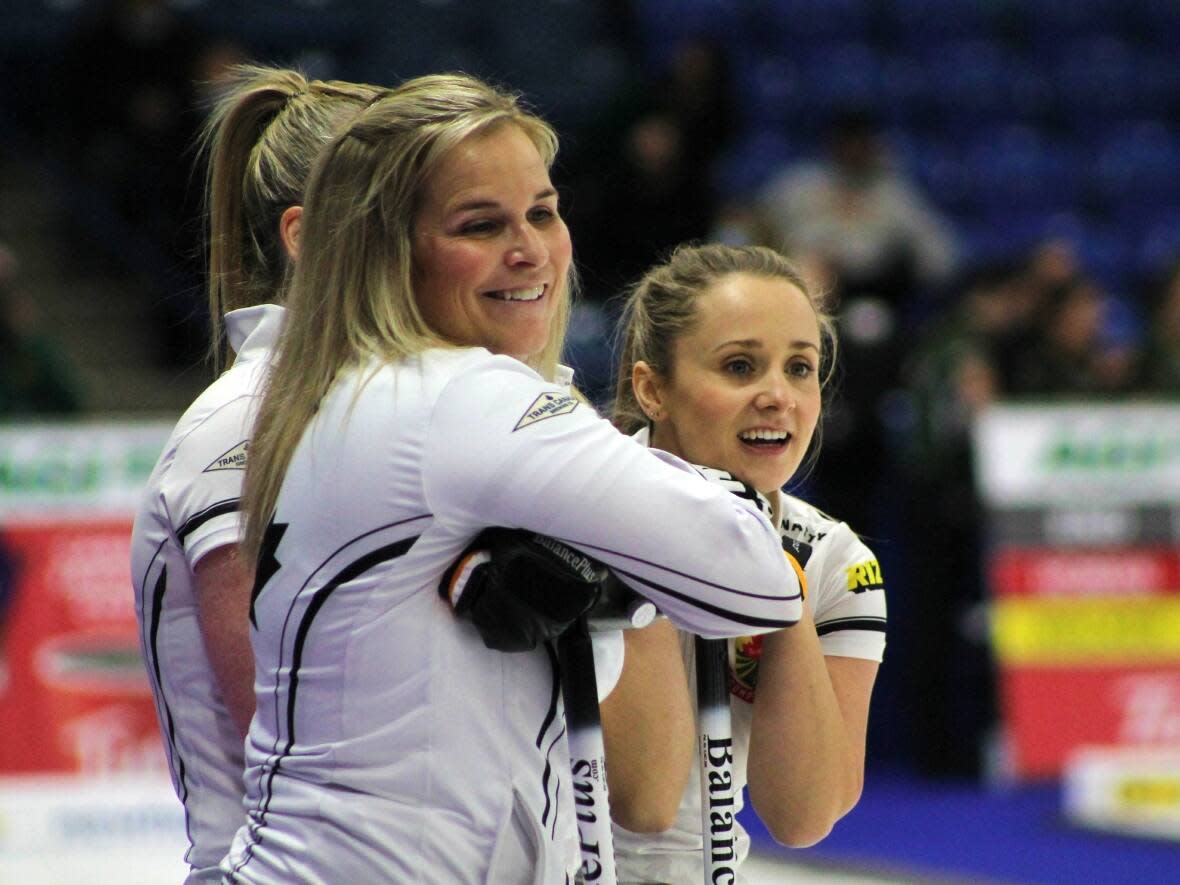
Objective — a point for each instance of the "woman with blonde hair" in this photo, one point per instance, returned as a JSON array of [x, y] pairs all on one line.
[[724, 354], [192, 591], [414, 403]]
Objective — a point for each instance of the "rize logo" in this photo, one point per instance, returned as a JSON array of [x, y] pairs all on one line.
[[547, 405], [864, 576]]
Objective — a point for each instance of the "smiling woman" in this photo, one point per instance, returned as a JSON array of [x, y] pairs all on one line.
[[742, 388], [723, 358], [415, 402], [491, 250]]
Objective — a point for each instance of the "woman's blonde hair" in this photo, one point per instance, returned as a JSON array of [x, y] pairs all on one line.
[[262, 137], [352, 298], [662, 307]]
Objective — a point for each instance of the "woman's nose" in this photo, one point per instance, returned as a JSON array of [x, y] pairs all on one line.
[[774, 393], [527, 247]]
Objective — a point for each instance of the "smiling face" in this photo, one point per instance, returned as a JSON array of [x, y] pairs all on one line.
[[491, 252], [743, 392]]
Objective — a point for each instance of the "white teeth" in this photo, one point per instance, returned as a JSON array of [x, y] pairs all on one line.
[[775, 435], [519, 294]]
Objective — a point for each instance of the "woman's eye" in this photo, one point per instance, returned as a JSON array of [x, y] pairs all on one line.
[[800, 369], [542, 214], [740, 367], [478, 226]]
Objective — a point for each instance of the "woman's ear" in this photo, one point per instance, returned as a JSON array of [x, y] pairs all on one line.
[[648, 390], [290, 223]]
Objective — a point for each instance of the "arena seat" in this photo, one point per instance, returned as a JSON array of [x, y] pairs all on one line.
[[840, 75], [918, 25], [802, 24], [1139, 161], [1018, 167]]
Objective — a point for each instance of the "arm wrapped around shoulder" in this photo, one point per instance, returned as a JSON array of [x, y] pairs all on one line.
[[520, 588]]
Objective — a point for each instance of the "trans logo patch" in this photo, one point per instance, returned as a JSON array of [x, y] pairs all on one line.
[[547, 405], [234, 459]]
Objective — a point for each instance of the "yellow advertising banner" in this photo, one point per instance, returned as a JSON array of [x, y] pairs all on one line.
[[1068, 631]]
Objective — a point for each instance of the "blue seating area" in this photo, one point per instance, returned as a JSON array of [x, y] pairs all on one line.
[[1013, 116], [1008, 113], [998, 107]]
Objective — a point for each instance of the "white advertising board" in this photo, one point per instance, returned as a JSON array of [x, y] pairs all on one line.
[[1079, 454]]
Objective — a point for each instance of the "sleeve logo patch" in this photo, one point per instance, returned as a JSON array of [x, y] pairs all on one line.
[[547, 405], [234, 459], [864, 576]]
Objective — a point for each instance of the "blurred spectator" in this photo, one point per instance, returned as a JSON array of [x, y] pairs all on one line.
[[35, 378], [642, 183], [950, 375], [857, 213], [1019, 301], [127, 77], [856, 461], [127, 84], [698, 92], [1075, 355], [952, 372], [1052, 263], [1159, 369], [642, 173]]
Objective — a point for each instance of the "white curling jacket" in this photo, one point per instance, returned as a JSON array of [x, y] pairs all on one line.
[[846, 595], [189, 509], [389, 744]]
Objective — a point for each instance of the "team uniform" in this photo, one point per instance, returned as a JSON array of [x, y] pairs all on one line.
[[189, 509], [847, 599], [389, 744]]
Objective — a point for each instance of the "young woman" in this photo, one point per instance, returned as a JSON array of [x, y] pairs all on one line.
[[192, 590], [723, 359], [408, 410]]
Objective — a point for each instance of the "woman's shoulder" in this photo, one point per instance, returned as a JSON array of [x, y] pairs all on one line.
[[805, 522], [477, 362], [221, 416], [433, 369], [806, 527]]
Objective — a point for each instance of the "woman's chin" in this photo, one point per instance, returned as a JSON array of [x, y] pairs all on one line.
[[768, 480]]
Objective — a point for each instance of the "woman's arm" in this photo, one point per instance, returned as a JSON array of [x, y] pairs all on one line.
[[647, 726], [710, 561], [807, 747], [223, 584]]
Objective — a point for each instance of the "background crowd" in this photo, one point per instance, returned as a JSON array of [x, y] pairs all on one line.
[[987, 189]]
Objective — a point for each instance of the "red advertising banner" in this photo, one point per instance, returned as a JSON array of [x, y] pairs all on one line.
[[74, 696], [76, 693], [1116, 571], [1055, 710]]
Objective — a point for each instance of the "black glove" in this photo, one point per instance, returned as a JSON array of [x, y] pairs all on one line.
[[520, 588]]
